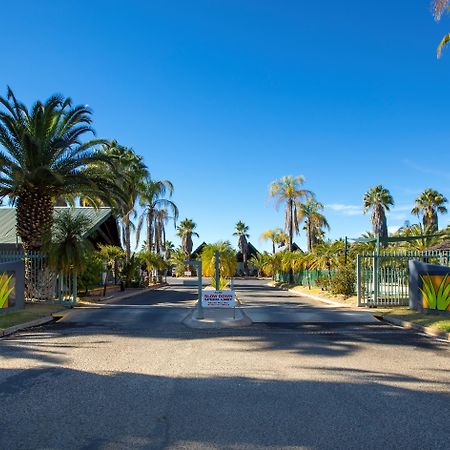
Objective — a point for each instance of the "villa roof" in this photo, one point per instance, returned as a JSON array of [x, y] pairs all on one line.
[[251, 252], [442, 246], [102, 228]]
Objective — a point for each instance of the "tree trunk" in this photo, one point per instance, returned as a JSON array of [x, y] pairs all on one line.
[[291, 220], [273, 247], [149, 230], [127, 241], [34, 218]]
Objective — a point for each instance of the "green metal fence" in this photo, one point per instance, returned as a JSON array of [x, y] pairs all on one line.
[[303, 277], [383, 279], [41, 283]]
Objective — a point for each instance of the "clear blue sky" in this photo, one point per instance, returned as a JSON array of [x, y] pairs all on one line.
[[223, 97]]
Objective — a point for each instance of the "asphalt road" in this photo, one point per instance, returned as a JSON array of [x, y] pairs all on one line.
[[130, 375]]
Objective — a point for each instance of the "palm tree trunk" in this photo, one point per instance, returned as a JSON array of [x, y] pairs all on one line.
[[34, 218], [127, 240], [309, 236], [273, 247], [149, 230], [290, 224]]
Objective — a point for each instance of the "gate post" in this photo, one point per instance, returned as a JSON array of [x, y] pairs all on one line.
[[375, 279], [358, 278]]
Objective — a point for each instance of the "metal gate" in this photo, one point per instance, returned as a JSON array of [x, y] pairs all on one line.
[[383, 279], [41, 283]]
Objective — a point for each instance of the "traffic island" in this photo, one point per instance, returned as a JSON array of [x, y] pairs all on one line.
[[217, 318]]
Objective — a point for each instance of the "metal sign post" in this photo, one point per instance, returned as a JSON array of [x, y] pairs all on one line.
[[199, 310]]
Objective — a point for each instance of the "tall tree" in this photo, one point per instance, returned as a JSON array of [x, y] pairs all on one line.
[[241, 230], [439, 8], [185, 232], [288, 191], [44, 158], [129, 175], [428, 204], [152, 198], [315, 221], [379, 199], [272, 235]]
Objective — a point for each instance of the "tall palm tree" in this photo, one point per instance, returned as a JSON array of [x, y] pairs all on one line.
[[160, 222], [129, 175], [288, 191], [272, 235], [152, 198], [44, 158], [315, 221], [428, 204], [242, 233], [185, 232], [379, 199], [439, 8]]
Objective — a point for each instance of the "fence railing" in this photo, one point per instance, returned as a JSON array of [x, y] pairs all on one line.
[[383, 279], [303, 277], [41, 283]]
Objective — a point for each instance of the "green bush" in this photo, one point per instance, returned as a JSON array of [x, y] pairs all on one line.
[[323, 282], [91, 276], [343, 281]]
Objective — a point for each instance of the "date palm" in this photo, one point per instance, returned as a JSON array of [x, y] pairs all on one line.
[[439, 8], [44, 158], [152, 198], [315, 221], [379, 199], [428, 204], [288, 191], [241, 230], [185, 232]]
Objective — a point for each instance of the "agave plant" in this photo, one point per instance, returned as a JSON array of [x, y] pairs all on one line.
[[5, 290], [438, 299]]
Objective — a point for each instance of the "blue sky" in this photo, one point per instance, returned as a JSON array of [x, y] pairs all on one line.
[[223, 97]]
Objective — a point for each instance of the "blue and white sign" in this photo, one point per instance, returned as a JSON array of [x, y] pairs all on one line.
[[218, 299]]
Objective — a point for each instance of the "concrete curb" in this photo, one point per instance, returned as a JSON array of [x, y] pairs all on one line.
[[25, 325], [126, 295], [192, 322], [433, 332], [321, 299]]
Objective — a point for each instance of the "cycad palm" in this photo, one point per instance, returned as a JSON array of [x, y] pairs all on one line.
[[379, 200], [185, 232], [153, 198], [315, 221], [428, 204], [44, 158], [288, 191]]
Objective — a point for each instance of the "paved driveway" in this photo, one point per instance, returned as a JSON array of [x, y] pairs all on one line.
[[131, 376]]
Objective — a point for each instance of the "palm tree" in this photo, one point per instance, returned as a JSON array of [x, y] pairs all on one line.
[[185, 232], [272, 235], [44, 159], [315, 221], [68, 246], [169, 248], [153, 198], [380, 200], [428, 204], [227, 259], [129, 175], [439, 8], [288, 190], [241, 232]]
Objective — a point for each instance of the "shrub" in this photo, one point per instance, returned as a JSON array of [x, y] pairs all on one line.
[[323, 282], [91, 276], [343, 281]]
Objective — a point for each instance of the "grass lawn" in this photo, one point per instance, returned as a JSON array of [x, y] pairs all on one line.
[[439, 322], [31, 312]]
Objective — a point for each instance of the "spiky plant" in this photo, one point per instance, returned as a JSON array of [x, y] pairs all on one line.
[[227, 259], [44, 158], [438, 299]]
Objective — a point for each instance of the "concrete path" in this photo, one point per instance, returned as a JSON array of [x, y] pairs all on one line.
[[131, 376], [265, 304]]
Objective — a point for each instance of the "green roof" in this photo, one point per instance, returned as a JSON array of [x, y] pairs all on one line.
[[8, 221]]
